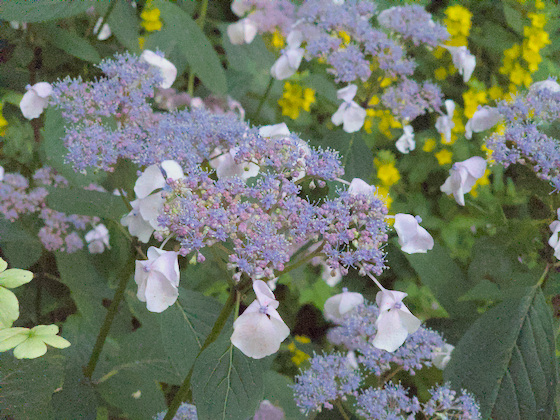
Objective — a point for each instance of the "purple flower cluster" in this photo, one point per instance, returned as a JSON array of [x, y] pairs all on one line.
[[184, 412], [265, 221], [523, 140], [329, 377], [410, 99], [414, 23], [59, 230], [357, 330], [392, 402]]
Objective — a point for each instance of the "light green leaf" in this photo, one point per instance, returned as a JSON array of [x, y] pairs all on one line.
[[41, 10], [9, 308], [15, 277], [507, 360], [185, 325], [71, 43], [26, 394], [183, 42], [226, 384]]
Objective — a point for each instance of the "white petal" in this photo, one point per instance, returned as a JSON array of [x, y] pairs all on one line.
[[240, 7], [408, 321], [172, 169], [338, 305], [141, 277], [168, 266], [242, 32], [387, 299], [468, 129], [166, 67], [476, 166], [32, 105], [281, 68], [391, 334], [104, 33], [294, 39], [406, 142], [354, 117], [264, 294], [359, 186], [483, 119], [151, 207], [274, 131], [294, 57], [137, 226], [257, 335], [160, 293], [338, 116], [150, 180], [1, 173], [347, 93], [42, 89], [551, 85], [469, 63], [412, 237]]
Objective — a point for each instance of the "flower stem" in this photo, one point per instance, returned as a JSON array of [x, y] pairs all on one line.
[[183, 392], [104, 331], [263, 99], [341, 410]]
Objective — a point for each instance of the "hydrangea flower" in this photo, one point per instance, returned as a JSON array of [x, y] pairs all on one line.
[[462, 177], [463, 60], [104, 32], [242, 31], [259, 330], [359, 186], [442, 356], [98, 239], [158, 279], [31, 343], [445, 123], [406, 142], [395, 322], [166, 68], [9, 305], [35, 100], [349, 113], [338, 305], [290, 59], [483, 119], [554, 240], [413, 238]]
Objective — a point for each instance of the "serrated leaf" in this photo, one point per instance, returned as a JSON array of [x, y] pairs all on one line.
[[182, 38], [226, 384], [444, 278], [86, 202], [41, 10], [28, 385], [71, 43], [507, 360], [185, 325]]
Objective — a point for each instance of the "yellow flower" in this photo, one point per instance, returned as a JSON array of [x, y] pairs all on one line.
[[374, 100], [488, 153], [429, 145], [388, 174], [294, 98], [444, 156], [495, 93], [141, 42], [383, 194], [150, 19], [458, 22], [440, 73], [537, 20], [277, 40], [472, 99], [344, 37], [3, 123], [539, 4], [484, 180], [298, 356]]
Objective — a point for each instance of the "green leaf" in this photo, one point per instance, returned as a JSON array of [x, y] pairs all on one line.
[[507, 359], [185, 325], [277, 390], [86, 202], [514, 18], [77, 399], [182, 40], [226, 384], [15, 277], [444, 278], [28, 385], [9, 308], [71, 43], [123, 22], [485, 290], [55, 151], [41, 10], [14, 239]]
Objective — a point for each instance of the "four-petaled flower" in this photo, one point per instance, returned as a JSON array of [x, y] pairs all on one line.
[[349, 113], [394, 322], [413, 238], [35, 100], [158, 279], [462, 177], [290, 59], [259, 331], [9, 305], [339, 305]]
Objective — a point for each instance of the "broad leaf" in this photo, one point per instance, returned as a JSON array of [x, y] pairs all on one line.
[[182, 39], [71, 43], [123, 22], [185, 325], [226, 384], [14, 239], [41, 10], [86, 202], [277, 390], [445, 279], [507, 360], [28, 385]]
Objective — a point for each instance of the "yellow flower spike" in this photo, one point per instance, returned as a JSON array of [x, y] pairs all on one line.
[[539, 4], [141, 42], [444, 157], [495, 92], [344, 37], [374, 100], [383, 194], [440, 73], [388, 174], [537, 20], [302, 339], [277, 40], [386, 81], [429, 145]]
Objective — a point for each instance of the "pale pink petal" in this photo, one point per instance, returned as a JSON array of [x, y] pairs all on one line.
[[150, 180], [391, 334]]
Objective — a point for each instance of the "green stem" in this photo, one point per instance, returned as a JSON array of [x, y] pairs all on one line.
[[341, 410], [183, 392], [544, 275], [348, 151], [301, 262], [104, 331], [263, 99], [200, 21]]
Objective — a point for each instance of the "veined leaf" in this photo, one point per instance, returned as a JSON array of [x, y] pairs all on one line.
[[41, 10], [507, 360]]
